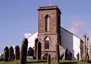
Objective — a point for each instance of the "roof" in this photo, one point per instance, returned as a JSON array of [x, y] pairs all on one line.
[[32, 34], [71, 33], [49, 8], [61, 28]]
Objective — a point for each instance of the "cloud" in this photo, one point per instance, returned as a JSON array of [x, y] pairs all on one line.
[[75, 17], [77, 27]]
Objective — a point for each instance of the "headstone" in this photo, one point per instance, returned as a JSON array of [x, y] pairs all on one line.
[[39, 50], [66, 54], [6, 52], [30, 52], [35, 49], [78, 56], [11, 53], [48, 59], [17, 52], [23, 53], [38, 55], [57, 53]]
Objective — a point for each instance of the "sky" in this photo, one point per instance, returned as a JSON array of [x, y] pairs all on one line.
[[19, 17]]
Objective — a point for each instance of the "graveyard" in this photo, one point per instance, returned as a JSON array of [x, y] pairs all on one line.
[[52, 62], [52, 44], [49, 52], [22, 57]]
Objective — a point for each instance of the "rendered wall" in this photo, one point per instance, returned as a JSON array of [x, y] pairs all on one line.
[[31, 39], [70, 41]]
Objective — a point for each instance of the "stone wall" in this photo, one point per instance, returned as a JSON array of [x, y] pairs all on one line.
[[54, 29]]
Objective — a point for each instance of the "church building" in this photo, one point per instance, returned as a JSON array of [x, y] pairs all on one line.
[[51, 33]]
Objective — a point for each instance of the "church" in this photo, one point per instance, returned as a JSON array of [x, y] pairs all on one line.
[[51, 33]]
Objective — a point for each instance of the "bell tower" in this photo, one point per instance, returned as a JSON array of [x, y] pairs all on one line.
[[49, 29]]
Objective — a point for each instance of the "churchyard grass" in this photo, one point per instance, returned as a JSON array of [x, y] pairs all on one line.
[[8, 62], [73, 62], [61, 61], [52, 62]]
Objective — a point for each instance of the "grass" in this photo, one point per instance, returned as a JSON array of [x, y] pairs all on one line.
[[44, 62], [61, 61], [72, 62], [8, 62]]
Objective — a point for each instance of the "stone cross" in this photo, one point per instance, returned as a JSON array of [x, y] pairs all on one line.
[[85, 47], [87, 41]]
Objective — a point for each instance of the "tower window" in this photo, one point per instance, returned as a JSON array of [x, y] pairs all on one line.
[[47, 43], [47, 23]]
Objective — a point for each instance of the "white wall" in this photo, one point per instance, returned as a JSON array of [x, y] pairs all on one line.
[[70, 41], [76, 46], [31, 39]]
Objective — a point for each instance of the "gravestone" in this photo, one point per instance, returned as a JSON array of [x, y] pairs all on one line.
[[45, 56], [38, 56], [23, 53], [48, 59], [57, 53], [30, 52], [78, 56], [11, 53], [68, 55], [17, 52], [35, 49], [6, 52]]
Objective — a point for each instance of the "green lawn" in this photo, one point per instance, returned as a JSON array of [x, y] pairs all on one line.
[[44, 62], [8, 62], [73, 62]]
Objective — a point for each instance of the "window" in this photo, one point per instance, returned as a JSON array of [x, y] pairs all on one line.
[[47, 23], [47, 43]]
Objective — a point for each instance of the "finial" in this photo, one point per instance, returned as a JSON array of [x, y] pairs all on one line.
[[84, 35]]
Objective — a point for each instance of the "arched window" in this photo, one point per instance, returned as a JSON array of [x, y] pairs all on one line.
[[47, 43], [47, 23]]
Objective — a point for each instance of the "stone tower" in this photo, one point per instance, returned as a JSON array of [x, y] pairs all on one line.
[[49, 30]]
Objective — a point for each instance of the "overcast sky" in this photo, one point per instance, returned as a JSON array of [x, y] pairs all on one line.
[[18, 17]]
